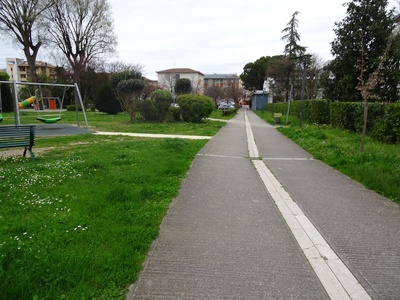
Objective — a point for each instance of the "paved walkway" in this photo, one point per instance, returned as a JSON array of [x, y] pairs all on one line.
[[236, 231]]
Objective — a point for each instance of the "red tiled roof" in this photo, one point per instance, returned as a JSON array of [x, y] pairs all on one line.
[[180, 70]]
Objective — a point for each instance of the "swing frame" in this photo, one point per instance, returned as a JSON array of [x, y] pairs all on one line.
[[39, 99], [78, 98], [1, 106]]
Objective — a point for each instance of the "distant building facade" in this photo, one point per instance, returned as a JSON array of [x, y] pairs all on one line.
[[222, 80], [18, 69], [167, 79]]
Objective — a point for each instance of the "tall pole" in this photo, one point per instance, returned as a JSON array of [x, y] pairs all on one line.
[[16, 109], [79, 97], [302, 93]]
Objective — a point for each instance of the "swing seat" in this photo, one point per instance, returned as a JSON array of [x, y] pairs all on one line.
[[49, 120], [1, 118]]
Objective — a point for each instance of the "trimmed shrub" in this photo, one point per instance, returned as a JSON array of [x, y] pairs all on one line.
[[376, 111], [148, 110], [387, 129], [195, 108], [162, 101], [106, 101], [72, 107], [174, 114], [316, 111]]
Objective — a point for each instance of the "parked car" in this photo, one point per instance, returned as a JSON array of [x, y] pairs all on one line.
[[223, 106]]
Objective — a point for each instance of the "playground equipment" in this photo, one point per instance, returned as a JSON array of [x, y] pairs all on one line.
[[1, 106], [51, 104], [27, 102], [39, 100]]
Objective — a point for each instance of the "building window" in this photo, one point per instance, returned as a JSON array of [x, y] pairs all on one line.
[[177, 76]]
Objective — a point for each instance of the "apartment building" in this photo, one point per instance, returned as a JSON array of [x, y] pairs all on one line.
[[18, 69], [167, 79], [222, 80]]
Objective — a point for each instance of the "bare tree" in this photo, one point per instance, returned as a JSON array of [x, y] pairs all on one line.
[[22, 21], [215, 93], [120, 66], [233, 91], [313, 76], [168, 81], [82, 30], [367, 86]]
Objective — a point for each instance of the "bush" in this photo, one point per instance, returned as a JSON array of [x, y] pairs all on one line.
[[387, 129], [162, 101], [106, 102], [72, 108], [174, 114], [228, 112], [316, 111], [148, 110], [195, 108], [376, 111], [6, 95]]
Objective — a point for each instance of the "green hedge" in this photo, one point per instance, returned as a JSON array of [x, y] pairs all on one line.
[[383, 122], [72, 108], [387, 129], [350, 115]]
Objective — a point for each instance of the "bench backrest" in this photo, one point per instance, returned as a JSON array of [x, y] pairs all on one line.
[[13, 136]]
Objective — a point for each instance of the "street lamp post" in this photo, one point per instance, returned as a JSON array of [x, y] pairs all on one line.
[[302, 93]]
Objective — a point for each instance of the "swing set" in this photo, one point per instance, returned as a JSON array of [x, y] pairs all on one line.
[[1, 107], [46, 107]]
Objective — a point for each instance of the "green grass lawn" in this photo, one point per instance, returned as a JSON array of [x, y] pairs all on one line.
[[77, 222], [378, 168], [120, 123]]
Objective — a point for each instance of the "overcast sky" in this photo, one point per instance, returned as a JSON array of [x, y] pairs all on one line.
[[212, 36]]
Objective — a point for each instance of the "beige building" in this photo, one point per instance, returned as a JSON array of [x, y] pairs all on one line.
[[167, 79], [222, 80], [18, 69]]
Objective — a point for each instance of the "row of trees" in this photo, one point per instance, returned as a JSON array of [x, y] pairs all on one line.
[[127, 91], [81, 30], [366, 49]]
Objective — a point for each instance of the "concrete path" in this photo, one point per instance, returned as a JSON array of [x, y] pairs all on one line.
[[258, 218]]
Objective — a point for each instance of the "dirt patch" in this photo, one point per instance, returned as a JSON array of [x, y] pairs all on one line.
[[18, 152]]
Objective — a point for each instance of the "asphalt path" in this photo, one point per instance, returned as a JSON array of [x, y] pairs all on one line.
[[258, 218]]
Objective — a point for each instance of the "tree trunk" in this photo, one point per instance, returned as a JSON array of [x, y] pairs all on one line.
[[31, 59], [364, 126]]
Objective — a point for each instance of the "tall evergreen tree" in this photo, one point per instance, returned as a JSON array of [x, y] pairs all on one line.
[[292, 48], [361, 36], [293, 51]]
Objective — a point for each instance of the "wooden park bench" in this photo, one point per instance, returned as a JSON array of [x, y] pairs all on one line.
[[18, 136]]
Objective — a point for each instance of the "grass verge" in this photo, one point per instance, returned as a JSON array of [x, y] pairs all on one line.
[[378, 168], [119, 123]]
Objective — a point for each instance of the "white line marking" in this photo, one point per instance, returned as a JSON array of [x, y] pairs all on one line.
[[336, 278], [287, 158], [253, 151]]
